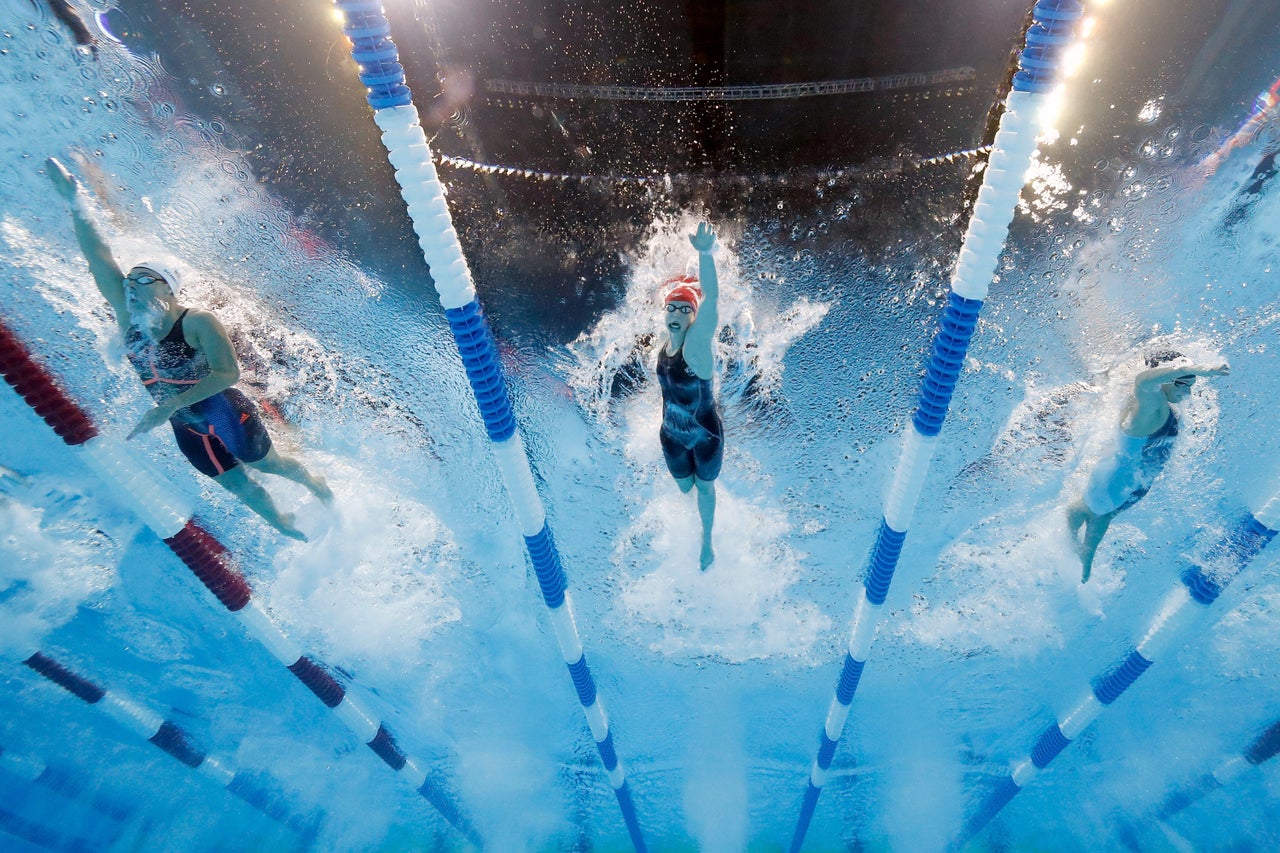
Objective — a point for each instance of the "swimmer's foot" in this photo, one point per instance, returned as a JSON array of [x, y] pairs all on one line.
[[289, 527], [321, 490], [708, 556], [1088, 570]]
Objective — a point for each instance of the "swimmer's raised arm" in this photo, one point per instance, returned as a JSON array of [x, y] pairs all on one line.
[[1152, 378], [697, 346], [1149, 408], [107, 274]]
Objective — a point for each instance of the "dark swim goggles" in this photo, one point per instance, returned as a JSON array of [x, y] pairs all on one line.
[[1185, 381], [683, 309], [145, 279]]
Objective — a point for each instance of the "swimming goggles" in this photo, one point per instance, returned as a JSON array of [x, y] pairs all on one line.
[[683, 309], [145, 279], [1185, 381]]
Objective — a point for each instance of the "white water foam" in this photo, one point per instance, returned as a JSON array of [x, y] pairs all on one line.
[[383, 554], [55, 556]]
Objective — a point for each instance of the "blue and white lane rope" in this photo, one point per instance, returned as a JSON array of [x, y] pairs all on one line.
[[1201, 583], [393, 111], [1263, 748], [1011, 156], [171, 738], [132, 483]]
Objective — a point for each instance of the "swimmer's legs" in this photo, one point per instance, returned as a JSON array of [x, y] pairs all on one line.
[[292, 469], [1095, 527], [256, 498], [707, 512]]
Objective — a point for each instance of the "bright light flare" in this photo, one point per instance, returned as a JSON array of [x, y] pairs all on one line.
[[1050, 112], [1073, 59]]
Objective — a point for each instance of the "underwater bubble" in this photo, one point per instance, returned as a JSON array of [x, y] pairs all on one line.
[[1151, 111]]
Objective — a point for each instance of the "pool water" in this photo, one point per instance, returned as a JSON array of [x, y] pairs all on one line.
[[415, 591]]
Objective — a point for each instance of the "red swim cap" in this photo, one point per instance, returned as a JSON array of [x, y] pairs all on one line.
[[685, 290]]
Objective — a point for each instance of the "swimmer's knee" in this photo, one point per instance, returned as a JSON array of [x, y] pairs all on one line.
[[231, 475], [704, 486], [685, 483], [236, 480]]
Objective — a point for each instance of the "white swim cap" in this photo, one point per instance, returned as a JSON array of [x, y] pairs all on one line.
[[162, 270]]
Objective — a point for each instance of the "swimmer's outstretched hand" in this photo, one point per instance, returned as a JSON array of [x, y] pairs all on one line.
[[704, 239], [151, 420], [1187, 367], [63, 181], [1222, 369]]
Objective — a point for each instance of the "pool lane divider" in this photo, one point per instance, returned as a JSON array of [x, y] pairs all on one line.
[[64, 780], [136, 487], [1012, 151], [172, 739], [380, 71], [1262, 748], [1199, 586], [42, 836]]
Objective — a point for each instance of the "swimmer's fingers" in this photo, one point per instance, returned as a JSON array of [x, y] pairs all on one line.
[[704, 240], [63, 180], [150, 421]]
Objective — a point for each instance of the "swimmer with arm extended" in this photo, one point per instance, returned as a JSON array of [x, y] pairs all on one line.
[[186, 360], [691, 434], [1148, 429]]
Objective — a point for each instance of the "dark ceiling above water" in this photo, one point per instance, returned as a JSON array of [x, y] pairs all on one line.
[[278, 69], [696, 43], [279, 75]]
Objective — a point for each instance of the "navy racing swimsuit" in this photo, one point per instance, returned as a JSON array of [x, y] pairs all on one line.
[[691, 434], [214, 433]]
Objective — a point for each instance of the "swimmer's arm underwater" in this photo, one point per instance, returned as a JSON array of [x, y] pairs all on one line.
[[1150, 408], [62, 9], [107, 274], [697, 345], [206, 335], [1245, 135]]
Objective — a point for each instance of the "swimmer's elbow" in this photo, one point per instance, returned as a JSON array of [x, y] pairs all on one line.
[[229, 375]]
